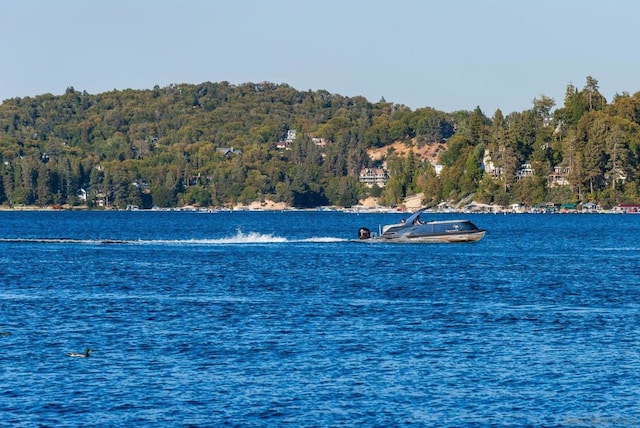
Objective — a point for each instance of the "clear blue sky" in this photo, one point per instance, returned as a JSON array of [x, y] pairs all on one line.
[[449, 55]]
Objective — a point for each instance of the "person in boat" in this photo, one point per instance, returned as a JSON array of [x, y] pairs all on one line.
[[417, 220], [402, 222]]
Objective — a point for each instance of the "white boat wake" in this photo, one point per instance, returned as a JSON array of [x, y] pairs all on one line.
[[239, 238]]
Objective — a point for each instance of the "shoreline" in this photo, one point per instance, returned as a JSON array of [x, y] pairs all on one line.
[[258, 207]]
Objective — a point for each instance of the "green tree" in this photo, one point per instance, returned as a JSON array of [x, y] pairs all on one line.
[[393, 193], [44, 195], [163, 196], [343, 191], [472, 170], [593, 97]]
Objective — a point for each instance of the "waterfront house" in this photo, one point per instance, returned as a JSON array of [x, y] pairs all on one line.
[[371, 176]]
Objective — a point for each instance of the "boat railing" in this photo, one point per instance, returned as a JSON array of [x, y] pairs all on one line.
[[389, 226]]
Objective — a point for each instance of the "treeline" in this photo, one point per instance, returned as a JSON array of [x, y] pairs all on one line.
[[160, 147]]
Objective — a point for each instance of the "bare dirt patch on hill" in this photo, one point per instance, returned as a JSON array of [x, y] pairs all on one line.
[[430, 152]]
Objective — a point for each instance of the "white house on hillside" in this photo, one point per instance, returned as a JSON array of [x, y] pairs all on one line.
[[371, 176]]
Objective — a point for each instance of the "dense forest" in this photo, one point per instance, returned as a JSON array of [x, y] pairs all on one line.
[[166, 146]]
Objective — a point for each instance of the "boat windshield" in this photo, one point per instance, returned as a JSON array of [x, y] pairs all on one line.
[[413, 217]]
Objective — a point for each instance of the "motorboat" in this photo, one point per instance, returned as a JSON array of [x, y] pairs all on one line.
[[416, 230]]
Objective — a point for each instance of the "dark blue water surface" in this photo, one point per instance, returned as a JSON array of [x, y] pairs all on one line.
[[283, 318]]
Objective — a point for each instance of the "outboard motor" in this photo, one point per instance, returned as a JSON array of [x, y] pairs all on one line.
[[364, 233]]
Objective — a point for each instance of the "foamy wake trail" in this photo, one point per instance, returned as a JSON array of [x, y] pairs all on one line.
[[259, 238], [323, 239], [239, 238], [254, 238], [249, 238]]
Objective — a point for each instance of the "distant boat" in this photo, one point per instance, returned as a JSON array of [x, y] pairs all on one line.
[[415, 230]]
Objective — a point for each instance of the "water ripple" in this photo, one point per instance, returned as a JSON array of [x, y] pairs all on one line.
[[204, 325]]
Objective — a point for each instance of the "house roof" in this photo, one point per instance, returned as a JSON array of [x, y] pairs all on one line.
[[229, 150]]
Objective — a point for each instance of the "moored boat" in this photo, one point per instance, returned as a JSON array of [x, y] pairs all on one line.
[[415, 230]]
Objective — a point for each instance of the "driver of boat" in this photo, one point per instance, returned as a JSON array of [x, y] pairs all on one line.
[[417, 220]]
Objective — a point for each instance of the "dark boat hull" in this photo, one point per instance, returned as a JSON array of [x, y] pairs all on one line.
[[432, 231], [435, 237]]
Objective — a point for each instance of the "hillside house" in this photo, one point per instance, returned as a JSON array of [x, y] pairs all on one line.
[[489, 167], [559, 176], [291, 136], [525, 170], [320, 142], [229, 151], [285, 143], [371, 176]]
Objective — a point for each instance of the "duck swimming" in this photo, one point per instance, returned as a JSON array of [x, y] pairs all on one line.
[[85, 354]]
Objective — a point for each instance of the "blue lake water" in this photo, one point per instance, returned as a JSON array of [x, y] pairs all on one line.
[[284, 318]]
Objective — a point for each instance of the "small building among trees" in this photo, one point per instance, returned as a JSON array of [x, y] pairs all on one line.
[[374, 176]]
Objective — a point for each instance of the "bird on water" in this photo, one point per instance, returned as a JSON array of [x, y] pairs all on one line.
[[84, 354]]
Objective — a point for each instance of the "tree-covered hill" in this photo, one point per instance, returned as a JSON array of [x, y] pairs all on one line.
[[163, 147]]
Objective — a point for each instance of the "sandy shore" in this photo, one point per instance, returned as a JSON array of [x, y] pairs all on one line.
[[369, 203]]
